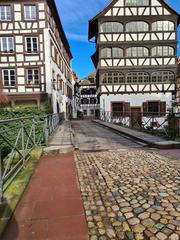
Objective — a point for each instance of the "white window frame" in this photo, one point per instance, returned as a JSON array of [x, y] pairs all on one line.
[[6, 15], [31, 18], [32, 49], [7, 44], [9, 76], [33, 76]]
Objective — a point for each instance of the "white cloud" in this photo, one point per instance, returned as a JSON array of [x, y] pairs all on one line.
[[77, 37]]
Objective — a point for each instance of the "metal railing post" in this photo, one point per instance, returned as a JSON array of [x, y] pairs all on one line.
[[1, 180], [23, 142], [46, 129], [34, 131]]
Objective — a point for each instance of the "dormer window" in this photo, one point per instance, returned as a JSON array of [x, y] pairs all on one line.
[[5, 12], [109, 27], [30, 12], [136, 3]]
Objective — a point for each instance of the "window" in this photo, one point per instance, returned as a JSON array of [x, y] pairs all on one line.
[[7, 44], [163, 76], [30, 12], [5, 12], [32, 44], [163, 26], [114, 78], [137, 77], [117, 108], [136, 2], [163, 51], [153, 108], [9, 78], [92, 100], [85, 101], [106, 53], [112, 53], [137, 27], [109, 27], [137, 52], [33, 76]]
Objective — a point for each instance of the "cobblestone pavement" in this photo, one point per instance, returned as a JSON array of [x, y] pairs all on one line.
[[130, 194]]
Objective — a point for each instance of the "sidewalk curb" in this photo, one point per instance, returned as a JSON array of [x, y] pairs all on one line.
[[159, 145]]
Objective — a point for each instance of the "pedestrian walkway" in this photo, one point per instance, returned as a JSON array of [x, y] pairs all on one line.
[[62, 140], [51, 207], [150, 140]]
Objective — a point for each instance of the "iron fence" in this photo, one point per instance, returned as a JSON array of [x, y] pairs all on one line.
[[161, 124], [17, 139]]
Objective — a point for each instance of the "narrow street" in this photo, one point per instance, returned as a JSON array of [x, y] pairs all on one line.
[[90, 136], [128, 192]]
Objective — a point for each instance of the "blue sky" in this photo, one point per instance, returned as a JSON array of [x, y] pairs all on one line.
[[75, 15]]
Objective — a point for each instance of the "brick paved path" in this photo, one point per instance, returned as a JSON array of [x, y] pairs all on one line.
[[51, 207], [130, 194]]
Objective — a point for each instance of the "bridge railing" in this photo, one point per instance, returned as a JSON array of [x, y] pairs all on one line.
[[18, 137], [162, 124]]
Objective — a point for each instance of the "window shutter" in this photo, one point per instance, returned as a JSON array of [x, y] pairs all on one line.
[[162, 108], [145, 109], [127, 109]]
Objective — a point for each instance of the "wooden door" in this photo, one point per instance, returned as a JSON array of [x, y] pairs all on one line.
[[136, 117]]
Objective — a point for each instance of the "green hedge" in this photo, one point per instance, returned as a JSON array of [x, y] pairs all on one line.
[[24, 111], [13, 127]]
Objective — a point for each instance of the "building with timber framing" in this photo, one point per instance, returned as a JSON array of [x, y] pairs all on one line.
[[35, 56], [136, 56]]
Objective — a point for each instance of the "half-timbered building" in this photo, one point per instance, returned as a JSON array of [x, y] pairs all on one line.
[[88, 96], [34, 54], [136, 47]]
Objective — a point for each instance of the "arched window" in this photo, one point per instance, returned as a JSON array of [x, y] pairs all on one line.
[[114, 77], [137, 77], [117, 53], [136, 2], [137, 27], [163, 51], [137, 52], [162, 76], [106, 53], [112, 53], [163, 26], [109, 27]]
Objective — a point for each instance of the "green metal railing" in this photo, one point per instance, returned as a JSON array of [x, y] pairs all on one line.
[[18, 137]]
